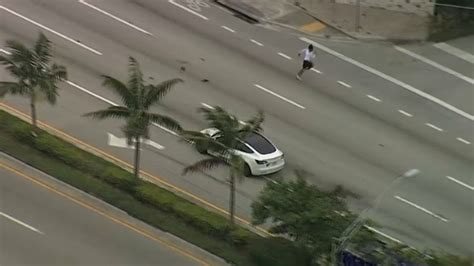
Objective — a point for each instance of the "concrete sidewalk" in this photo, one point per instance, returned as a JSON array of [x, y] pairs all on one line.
[[284, 14], [327, 18]]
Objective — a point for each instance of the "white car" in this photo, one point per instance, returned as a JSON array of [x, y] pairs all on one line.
[[260, 155]]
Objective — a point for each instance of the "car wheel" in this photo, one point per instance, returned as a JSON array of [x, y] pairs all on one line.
[[247, 171], [201, 148]]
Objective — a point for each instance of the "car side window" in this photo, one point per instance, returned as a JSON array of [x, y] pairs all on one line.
[[242, 147]]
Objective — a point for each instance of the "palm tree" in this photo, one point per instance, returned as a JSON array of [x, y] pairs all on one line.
[[231, 133], [31, 67], [137, 98]]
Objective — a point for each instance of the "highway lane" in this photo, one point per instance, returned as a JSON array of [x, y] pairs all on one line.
[[363, 83], [240, 110], [54, 224]]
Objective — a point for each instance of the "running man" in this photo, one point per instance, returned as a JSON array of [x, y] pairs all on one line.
[[308, 56]]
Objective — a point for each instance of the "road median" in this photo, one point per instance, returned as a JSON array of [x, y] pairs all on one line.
[[139, 198]]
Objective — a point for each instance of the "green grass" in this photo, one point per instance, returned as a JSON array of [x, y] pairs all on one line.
[[118, 198]]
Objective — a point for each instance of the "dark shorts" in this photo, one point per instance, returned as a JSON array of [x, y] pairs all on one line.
[[307, 64]]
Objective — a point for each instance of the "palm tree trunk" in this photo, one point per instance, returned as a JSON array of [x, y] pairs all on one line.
[[232, 198], [33, 109], [136, 170]]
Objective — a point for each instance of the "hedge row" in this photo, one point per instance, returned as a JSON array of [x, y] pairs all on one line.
[[204, 221]]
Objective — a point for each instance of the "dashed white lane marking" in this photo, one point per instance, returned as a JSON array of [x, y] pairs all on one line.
[[51, 30], [460, 182], [279, 96], [422, 209], [434, 127], [21, 223], [383, 234], [284, 56], [391, 79], [114, 17], [405, 113], [374, 98], [317, 71], [228, 29], [188, 9], [455, 51], [434, 64], [5, 52], [344, 84], [464, 141], [114, 104], [256, 42]]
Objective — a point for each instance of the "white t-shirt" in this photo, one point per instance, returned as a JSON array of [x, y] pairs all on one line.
[[308, 55]]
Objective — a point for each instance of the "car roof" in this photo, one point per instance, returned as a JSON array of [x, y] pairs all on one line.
[[259, 143]]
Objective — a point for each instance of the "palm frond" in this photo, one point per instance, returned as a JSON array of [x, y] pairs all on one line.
[[11, 66], [203, 165], [19, 53], [190, 135], [14, 88], [49, 89], [128, 98], [135, 82], [111, 112], [58, 72], [156, 92], [165, 121], [219, 118], [254, 124], [42, 48]]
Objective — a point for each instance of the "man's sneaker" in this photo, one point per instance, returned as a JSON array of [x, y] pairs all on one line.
[[298, 77]]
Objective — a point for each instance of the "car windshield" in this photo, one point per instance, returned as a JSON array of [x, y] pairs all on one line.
[[260, 144]]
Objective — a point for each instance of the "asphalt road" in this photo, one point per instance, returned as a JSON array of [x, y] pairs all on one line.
[[351, 124], [45, 222]]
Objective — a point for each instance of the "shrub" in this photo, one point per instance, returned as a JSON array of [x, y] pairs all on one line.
[[204, 220], [156, 196], [241, 237], [277, 252]]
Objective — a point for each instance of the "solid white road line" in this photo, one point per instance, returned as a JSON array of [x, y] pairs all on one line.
[[391, 79], [284, 56], [464, 141], [434, 64], [374, 98], [317, 71], [5, 52], [434, 127], [51, 30], [460, 182], [114, 104], [256, 42], [115, 17], [344, 84], [383, 234], [228, 29], [455, 51], [187, 9], [421, 208], [91, 93], [208, 106], [405, 113], [279, 96], [21, 223]]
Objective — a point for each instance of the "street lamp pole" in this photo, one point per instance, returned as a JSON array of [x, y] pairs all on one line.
[[357, 17], [359, 221]]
